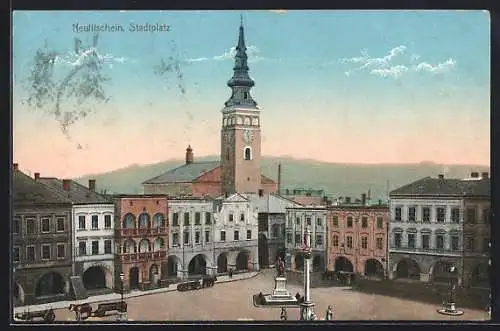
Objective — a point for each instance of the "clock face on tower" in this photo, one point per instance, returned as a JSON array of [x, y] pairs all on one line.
[[248, 136]]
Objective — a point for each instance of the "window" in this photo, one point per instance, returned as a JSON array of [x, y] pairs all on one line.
[[349, 242], [397, 240], [175, 239], [236, 235], [364, 222], [95, 222], [197, 218], [379, 243], [208, 218], [223, 235], [248, 154], [319, 221], [297, 239], [308, 220], [81, 222], [288, 238], [426, 214], [207, 236], [30, 253], [319, 240], [60, 224], [15, 225], [412, 214], [107, 221], [82, 248], [61, 251], [411, 240], [186, 238], [249, 234], [175, 219], [45, 224], [297, 221], [335, 241], [440, 241], [364, 242], [197, 237], [426, 241], [107, 246], [242, 217], [455, 215], [486, 215], [275, 231], [470, 244], [349, 221], [397, 214], [471, 215], [15, 254], [380, 222], [45, 252], [231, 217], [440, 214], [95, 247], [335, 221], [454, 243], [186, 218]]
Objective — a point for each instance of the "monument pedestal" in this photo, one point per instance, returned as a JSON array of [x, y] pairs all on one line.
[[280, 294], [450, 309]]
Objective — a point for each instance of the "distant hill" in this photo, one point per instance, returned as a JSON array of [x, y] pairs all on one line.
[[337, 179]]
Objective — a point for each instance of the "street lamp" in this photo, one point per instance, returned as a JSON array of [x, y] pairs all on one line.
[[449, 308], [123, 313], [122, 277]]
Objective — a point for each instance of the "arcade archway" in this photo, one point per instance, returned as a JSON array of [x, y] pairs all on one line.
[[222, 263], [263, 251], [173, 263], [408, 268], [197, 265], [299, 261], [373, 268], [343, 264], [318, 263], [18, 294], [94, 278], [51, 283], [242, 260], [133, 278], [440, 272]]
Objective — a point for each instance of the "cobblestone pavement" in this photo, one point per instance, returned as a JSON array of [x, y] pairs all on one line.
[[233, 301]]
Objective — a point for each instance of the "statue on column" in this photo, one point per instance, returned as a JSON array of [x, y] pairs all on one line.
[[280, 267]]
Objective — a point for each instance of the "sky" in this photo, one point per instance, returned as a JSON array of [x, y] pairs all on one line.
[[334, 86]]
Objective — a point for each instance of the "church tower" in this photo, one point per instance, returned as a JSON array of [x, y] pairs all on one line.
[[240, 134]]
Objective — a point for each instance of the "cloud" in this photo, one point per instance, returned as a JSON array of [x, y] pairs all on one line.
[[73, 59], [252, 52], [279, 11], [384, 66]]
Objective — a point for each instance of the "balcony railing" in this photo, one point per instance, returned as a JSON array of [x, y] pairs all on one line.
[[425, 250], [139, 232], [143, 256]]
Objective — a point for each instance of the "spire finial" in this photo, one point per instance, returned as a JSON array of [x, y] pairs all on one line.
[[241, 19]]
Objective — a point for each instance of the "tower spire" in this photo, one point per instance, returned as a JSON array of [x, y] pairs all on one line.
[[241, 83]]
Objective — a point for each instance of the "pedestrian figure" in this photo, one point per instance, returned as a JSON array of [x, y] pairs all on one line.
[[329, 313], [230, 273], [284, 315]]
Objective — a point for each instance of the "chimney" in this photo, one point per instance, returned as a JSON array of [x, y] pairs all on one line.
[[92, 184], [37, 175], [441, 176], [279, 178], [15, 166], [363, 199], [485, 175], [189, 155], [347, 199], [66, 183], [474, 174]]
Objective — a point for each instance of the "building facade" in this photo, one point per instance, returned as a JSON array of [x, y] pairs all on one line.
[[41, 239], [239, 168], [357, 239], [297, 221], [427, 227], [141, 236], [92, 232]]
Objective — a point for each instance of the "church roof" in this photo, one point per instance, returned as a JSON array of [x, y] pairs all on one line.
[[186, 173], [445, 187]]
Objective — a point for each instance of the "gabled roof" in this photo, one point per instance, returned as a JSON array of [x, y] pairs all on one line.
[[185, 173], [26, 191], [235, 197], [77, 193], [266, 180], [450, 187]]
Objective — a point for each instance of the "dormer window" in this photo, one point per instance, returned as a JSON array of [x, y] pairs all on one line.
[[248, 153]]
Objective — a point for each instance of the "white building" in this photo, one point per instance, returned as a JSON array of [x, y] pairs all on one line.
[[426, 228], [297, 221], [92, 232], [211, 235]]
